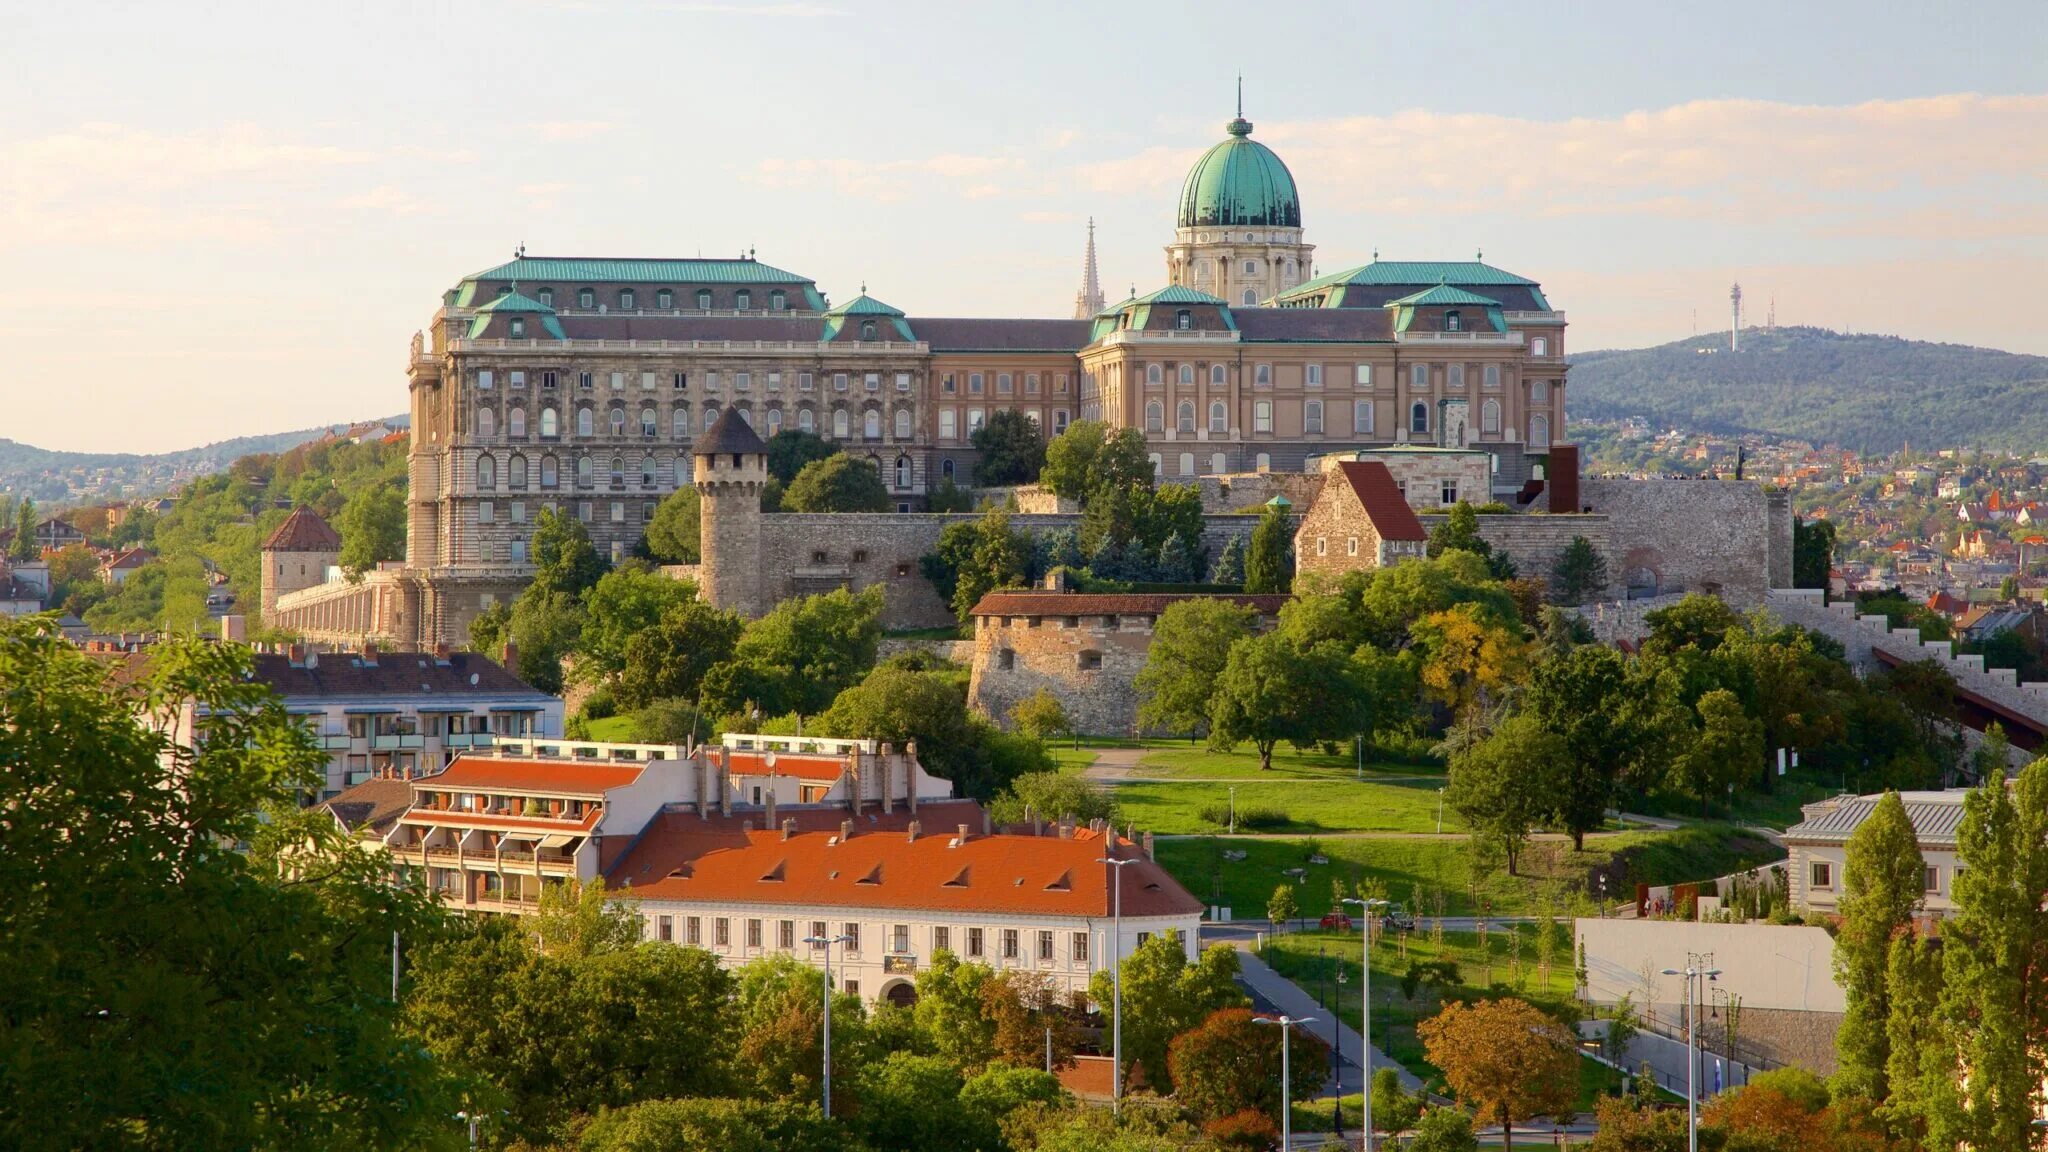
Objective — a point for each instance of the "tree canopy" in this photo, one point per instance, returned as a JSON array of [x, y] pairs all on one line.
[[838, 483]]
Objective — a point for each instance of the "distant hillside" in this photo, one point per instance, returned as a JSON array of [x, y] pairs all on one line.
[[1870, 393], [55, 477]]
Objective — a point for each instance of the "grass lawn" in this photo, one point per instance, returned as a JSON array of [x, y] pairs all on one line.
[[613, 728], [1506, 964], [1305, 806], [1182, 760], [1778, 808], [1406, 867]]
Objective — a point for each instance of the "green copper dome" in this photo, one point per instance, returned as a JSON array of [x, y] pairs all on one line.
[[1239, 182]]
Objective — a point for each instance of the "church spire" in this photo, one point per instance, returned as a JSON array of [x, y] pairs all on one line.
[[1088, 301]]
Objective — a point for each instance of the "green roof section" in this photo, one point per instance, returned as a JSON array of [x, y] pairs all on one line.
[[513, 301], [1443, 295], [866, 308], [863, 305], [1401, 273], [631, 271], [1176, 294], [1239, 182]]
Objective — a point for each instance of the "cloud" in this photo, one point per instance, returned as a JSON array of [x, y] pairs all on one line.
[[1041, 216], [543, 196], [387, 198], [889, 181], [573, 129]]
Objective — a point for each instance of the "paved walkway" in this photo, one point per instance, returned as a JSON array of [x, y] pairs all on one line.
[[1112, 765], [1283, 994]]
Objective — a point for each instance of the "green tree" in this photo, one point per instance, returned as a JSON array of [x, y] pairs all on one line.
[[801, 655], [1230, 1062], [1460, 532], [1881, 890], [490, 628], [1041, 716], [1001, 559], [564, 560], [1190, 646], [1919, 1073], [1505, 783], [1281, 906], [575, 920], [791, 450], [1272, 690], [1229, 563], [1173, 510], [1088, 455], [23, 546], [670, 659], [624, 603], [947, 496], [900, 705], [545, 627], [372, 526], [1580, 696], [911, 1101], [1268, 567], [1051, 796], [948, 1012], [1165, 994], [673, 536], [1394, 1111], [1580, 574], [838, 483], [712, 1125], [2009, 589], [1631, 1124], [1447, 1129], [1813, 553], [1011, 447], [166, 988], [1726, 751]]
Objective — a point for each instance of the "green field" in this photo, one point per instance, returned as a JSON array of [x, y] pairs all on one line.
[[1307, 807], [1404, 866], [613, 728], [1181, 760]]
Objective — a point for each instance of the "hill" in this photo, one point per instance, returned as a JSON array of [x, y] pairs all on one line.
[[1869, 393], [54, 478]]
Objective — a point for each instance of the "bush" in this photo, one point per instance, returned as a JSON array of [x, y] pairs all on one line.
[[600, 704], [1246, 1131], [1248, 816]]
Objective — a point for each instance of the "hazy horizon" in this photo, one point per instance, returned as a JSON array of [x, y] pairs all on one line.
[[232, 224]]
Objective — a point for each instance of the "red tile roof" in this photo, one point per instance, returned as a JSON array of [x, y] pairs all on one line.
[[1107, 604], [681, 857], [568, 777], [303, 531], [1384, 505]]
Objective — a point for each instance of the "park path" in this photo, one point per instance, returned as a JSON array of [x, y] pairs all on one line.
[[1113, 765], [1284, 995]]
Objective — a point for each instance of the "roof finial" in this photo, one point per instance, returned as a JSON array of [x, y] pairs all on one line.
[[1240, 95], [863, 287], [1375, 255], [1479, 255]]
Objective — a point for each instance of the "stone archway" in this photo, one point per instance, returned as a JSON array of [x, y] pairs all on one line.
[[902, 993], [1642, 573]]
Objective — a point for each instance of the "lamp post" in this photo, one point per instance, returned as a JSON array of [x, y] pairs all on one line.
[[1696, 975], [826, 942], [1286, 1076], [1440, 810], [1116, 983], [1233, 810], [1370, 907]]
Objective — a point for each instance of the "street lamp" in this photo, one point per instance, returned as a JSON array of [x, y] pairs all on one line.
[[1233, 810], [1440, 810], [1370, 906], [826, 942], [1286, 1076], [1695, 978], [1116, 983]]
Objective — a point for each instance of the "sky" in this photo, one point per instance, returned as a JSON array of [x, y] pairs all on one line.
[[220, 219]]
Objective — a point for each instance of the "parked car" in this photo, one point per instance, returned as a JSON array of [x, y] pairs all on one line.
[[1336, 922], [1397, 917]]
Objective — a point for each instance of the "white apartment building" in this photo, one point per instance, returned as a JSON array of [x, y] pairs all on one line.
[[897, 894], [1819, 846]]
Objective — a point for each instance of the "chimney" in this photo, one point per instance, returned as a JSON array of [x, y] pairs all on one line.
[[910, 773], [1031, 817], [963, 834], [888, 766], [845, 831], [910, 834], [703, 788], [986, 827], [370, 653], [296, 654], [723, 778], [511, 657], [440, 652], [1066, 830], [1148, 845], [788, 827], [770, 817], [853, 780]]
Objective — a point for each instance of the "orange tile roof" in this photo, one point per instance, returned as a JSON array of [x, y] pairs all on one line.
[[492, 774], [803, 767], [682, 858]]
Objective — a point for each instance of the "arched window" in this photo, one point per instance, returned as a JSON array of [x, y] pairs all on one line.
[[682, 422], [618, 472], [583, 471], [743, 300], [1155, 416], [1361, 417], [647, 471], [871, 424], [550, 472], [618, 421], [703, 299], [515, 473], [486, 472], [710, 416], [626, 300], [664, 299], [1187, 374], [1262, 416], [946, 468], [1489, 416], [774, 421], [839, 423], [1158, 468], [1418, 417], [1154, 374], [1219, 417], [648, 425], [1454, 321], [583, 422], [1183, 319], [1312, 417], [1218, 464], [1539, 391], [515, 422], [550, 424], [867, 330], [903, 423], [586, 298], [1539, 431], [746, 412], [902, 472], [803, 420], [1539, 346], [1216, 375], [486, 423], [1184, 416], [1187, 463], [1251, 298]]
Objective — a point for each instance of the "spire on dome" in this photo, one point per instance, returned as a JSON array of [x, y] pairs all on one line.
[[1240, 126], [1088, 301]]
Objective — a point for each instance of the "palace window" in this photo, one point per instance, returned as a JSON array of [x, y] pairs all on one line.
[[1454, 376], [1418, 417], [872, 381], [1361, 375], [1251, 298], [871, 424], [743, 381], [518, 328], [805, 381], [1539, 346], [974, 381], [583, 473], [1154, 374], [1078, 951], [1361, 417], [1822, 874], [647, 471], [1184, 320], [902, 472], [1186, 374], [1030, 383], [1184, 416], [1155, 416], [550, 424], [1005, 383], [1418, 377], [1262, 462], [1492, 376], [867, 330], [515, 423], [948, 424], [803, 419], [1262, 416], [1187, 463], [583, 426], [550, 475], [975, 420], [583, 380], [618, 421], [703, 299], [1157, 469], [486, 472], [1218, 463], [664, 299], [648, 425], [626, 300], [1539, 431], [839, 423], [1312, 417], [774, 421], [743, 300], [547, 297], [777, 300], [903, 381], [681, 421], [1262, 376], [1059, 421], [586, 298], [1448, 492], [1453, 322], [486, 423], [903, 423], [1489, 416], [1313, 376], [946, 468], [516, 472], [618, 472], [974, 944], [1217, 377], [1219, 417], [1539, 391]]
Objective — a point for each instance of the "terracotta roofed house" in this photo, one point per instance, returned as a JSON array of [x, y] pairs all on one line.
[[1360, 520]]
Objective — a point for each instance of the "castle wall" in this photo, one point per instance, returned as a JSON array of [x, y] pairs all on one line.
[[1534, 543], [1695, 535], [1100, 699]]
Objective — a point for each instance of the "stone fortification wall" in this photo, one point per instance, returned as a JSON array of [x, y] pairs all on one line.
[[1221, 492], [1534, 542], [1614, 621], [1090, 667], [1730, 537]]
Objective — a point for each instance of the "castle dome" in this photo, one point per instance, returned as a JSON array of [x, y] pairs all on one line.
[[1239, 182]]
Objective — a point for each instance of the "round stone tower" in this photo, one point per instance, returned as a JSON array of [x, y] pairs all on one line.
[[729, 470], [297, 556]]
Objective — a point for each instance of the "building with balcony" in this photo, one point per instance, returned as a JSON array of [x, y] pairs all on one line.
[[403, 714], [895, 889]]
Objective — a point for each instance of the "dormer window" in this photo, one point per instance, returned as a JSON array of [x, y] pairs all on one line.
[[518, 328], [1453, 322], [703, 299], [744, 300], [626, 299], [547, 297], [586, 298], [867, 330], [664, 299], [778, 301], [1184, 320]]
